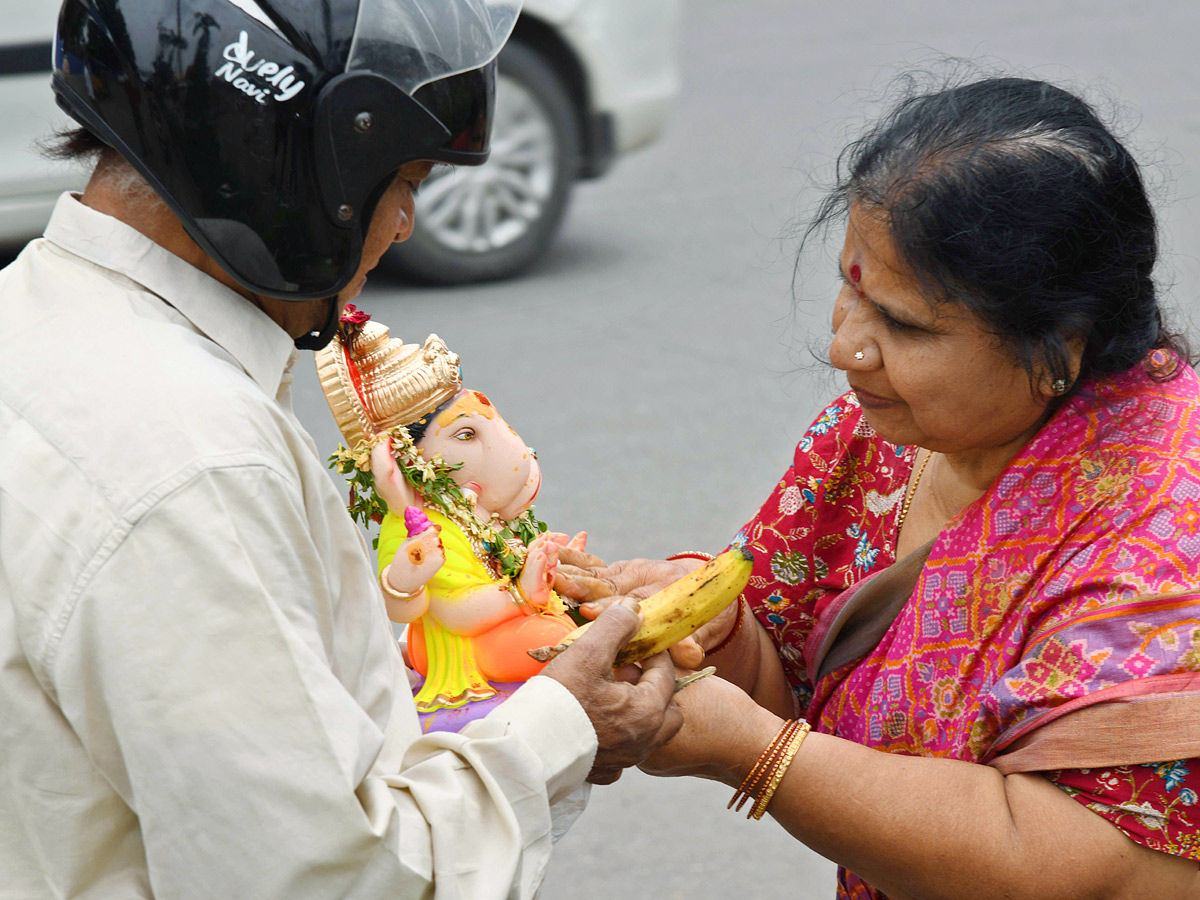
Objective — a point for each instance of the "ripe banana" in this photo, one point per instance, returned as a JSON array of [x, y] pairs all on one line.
[[678, 609]]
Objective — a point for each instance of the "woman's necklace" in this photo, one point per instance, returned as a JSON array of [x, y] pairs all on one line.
[[912, 492]]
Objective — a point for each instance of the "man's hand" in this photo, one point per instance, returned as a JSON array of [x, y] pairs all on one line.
[[634, 714]]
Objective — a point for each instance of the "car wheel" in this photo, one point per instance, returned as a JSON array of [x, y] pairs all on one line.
[[492, 221]]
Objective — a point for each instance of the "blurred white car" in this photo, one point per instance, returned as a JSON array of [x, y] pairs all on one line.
[[580, 82], [29, 184]]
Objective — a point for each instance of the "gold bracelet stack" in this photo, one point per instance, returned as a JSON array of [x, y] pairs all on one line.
[[764, 778], [393, 594]]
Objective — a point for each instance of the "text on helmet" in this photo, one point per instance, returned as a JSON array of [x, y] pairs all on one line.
[[258, 78]]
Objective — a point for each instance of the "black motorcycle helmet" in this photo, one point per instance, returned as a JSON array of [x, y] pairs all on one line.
[[272, 127]]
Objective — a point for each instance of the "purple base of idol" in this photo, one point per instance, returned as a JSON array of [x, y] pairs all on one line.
[[456, 719]]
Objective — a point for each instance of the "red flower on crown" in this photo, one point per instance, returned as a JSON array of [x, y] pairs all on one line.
[[352, 321], [352, 315]]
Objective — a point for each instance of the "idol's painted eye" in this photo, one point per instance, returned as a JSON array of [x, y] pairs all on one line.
[[465, 434]]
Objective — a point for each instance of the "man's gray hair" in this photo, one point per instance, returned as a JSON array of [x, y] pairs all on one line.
[[119, 176]]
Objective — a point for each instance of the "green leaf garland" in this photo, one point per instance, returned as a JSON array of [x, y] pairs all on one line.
[[431, 479]]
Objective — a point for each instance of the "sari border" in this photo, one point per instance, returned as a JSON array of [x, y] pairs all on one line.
[[1126, 692], [1135, 729]]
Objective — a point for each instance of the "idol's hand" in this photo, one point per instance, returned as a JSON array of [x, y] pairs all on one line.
[[633, 715], [416, 561], [541, 562], [390, 484], [595, 585]]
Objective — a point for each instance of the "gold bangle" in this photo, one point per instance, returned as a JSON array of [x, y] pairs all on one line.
[[519, 598], [754, 784], [391, 593], [781, 767], [764, 777], [750, 783]]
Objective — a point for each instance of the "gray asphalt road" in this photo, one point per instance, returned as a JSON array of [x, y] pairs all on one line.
[[657, 360]]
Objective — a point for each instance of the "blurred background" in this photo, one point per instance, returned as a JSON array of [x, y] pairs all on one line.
[[663, 352], [657, 360]]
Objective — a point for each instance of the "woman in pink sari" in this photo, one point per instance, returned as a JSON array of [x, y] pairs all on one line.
[[985, 558]]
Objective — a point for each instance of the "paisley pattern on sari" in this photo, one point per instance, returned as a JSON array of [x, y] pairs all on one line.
[[1075, 580]]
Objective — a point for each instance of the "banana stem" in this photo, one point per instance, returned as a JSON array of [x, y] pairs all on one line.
[[545, 654], [681, 683]]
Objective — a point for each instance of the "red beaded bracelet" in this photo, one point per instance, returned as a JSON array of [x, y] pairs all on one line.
[[691, 554], [737, 626]]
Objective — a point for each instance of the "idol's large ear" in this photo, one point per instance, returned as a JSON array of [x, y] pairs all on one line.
[[396, 492]]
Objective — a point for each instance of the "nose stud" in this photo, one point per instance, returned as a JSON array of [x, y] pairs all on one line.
[[858, 354]]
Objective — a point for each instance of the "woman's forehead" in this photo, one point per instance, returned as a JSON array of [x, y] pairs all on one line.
[[887, 279], [868, 234]]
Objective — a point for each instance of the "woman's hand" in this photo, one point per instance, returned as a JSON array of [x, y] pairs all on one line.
[[716, 629], [723, 733], [588, 580], [596, 585]]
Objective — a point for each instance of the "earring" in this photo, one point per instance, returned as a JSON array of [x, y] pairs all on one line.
[[1059, 386], [858, 354], [532, 452]]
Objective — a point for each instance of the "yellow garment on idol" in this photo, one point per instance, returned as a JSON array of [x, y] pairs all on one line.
[[457, 668], [452, 676]]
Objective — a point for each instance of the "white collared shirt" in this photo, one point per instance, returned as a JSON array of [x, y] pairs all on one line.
[[199, 691]]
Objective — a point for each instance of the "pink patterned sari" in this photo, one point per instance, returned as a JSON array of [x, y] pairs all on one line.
[[1053, 627]]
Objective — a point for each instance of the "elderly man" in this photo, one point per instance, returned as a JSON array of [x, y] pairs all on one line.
[[201, 696]]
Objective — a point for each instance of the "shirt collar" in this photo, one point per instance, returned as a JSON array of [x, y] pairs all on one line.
[[259, 345]]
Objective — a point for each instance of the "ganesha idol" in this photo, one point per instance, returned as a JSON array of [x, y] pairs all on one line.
[[462, 559]]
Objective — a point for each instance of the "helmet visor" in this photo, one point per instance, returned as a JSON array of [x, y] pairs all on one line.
[[414, 42]]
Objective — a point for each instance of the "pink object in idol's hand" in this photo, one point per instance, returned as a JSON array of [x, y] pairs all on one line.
[[415, 521]]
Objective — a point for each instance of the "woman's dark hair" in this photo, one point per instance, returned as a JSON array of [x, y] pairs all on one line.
[[1011, 196]]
